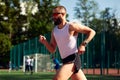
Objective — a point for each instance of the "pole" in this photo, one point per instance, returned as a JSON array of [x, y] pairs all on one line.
[[102, 48], [23, 57], [36, 62]]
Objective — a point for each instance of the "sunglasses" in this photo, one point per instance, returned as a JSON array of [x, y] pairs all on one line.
[[56, 14]]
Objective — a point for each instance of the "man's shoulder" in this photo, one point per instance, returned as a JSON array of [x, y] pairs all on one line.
[[73, 23]]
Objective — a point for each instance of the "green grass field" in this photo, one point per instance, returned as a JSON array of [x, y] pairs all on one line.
[[18, 75]]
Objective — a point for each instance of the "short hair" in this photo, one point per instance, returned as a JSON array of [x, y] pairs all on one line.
[[61, 7]]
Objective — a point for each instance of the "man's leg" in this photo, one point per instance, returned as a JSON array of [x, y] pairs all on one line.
[[31, 69], [65, 72], [26, 68], [78, 76]]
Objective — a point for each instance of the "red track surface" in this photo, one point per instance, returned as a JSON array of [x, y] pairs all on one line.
[[115, 72]]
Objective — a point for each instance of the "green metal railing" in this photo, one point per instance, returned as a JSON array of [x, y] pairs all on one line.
[[96, 55]]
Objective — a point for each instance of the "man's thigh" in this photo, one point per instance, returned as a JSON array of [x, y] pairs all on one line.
[[78, 76], [65, 72]]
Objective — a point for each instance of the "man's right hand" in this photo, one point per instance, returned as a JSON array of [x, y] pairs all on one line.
[[42, 39]]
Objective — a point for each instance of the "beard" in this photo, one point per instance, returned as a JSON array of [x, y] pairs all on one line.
[[57, 21]]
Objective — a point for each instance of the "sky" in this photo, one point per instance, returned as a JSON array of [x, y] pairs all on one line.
[[102, 4]]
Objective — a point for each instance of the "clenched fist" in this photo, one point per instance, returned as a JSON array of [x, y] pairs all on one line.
[[42, 39]]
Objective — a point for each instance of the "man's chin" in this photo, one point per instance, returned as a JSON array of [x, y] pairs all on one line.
[[56, 24]]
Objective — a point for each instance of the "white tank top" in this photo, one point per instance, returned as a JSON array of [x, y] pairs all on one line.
[[66, 43]]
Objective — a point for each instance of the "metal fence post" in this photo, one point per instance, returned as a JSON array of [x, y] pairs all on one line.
[[102, 51]]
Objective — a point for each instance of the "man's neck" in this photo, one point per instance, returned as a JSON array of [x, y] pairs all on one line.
[[62, 25]]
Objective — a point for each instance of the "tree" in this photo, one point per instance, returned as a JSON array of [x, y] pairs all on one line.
[[107, 25], [86, 10], [41, 22], [10, 23], [23, 27], [5, 44], [13, 25]]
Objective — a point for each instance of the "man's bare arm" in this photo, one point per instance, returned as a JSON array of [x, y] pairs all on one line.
[[50, 46], [90, 33]]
